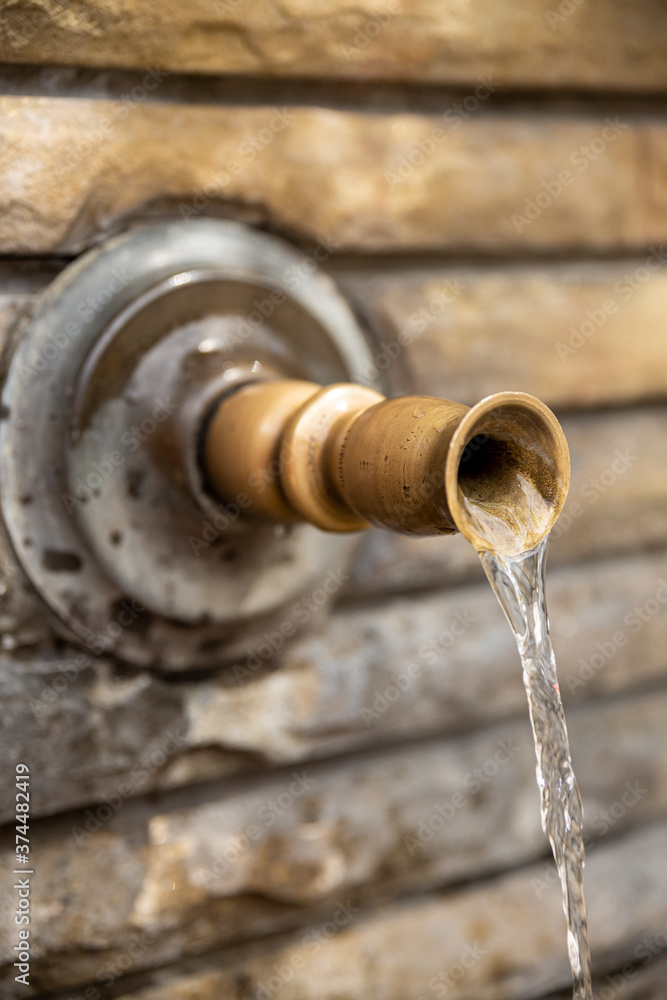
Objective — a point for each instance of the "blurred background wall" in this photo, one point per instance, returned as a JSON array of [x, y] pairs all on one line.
[[355, 813]]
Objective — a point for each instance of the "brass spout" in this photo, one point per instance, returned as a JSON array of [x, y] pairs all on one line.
[[343, 457]]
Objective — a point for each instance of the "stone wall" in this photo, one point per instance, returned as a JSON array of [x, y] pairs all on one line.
[[489, 182]]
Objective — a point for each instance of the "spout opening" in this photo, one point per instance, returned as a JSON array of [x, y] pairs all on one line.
[[507, 473]]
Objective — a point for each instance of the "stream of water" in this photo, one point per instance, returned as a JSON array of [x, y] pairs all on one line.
[[519, 584]]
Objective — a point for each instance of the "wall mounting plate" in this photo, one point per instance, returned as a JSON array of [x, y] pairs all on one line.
[[101, 490]]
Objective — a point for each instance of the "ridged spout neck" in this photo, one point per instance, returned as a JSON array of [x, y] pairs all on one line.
[[344, 456]]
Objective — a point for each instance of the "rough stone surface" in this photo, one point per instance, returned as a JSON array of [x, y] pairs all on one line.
[[656, 148], [510, 930], [616, 505], [87, 729], [74, 169], [618, 45], [262, 855], [557, 331]]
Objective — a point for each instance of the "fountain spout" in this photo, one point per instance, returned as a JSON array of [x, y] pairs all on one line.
[[344, 457]]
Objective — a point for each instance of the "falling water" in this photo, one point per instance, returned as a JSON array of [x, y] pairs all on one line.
[[518, 582]]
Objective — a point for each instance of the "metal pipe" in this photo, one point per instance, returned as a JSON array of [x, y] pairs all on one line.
[[343, 457]]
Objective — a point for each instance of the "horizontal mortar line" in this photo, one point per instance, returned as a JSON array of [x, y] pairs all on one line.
[[373, 601], [350, 265], [360, 94], [36, 265], [368, 601], [201, 793], [659, 964], [218, 956], [346, 266], [484, 261], [389, 261], [456, 255], [493, 874], [641, 404], [219, 673]]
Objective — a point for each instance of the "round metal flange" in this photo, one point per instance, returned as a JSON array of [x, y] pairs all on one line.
[[107, 388]]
